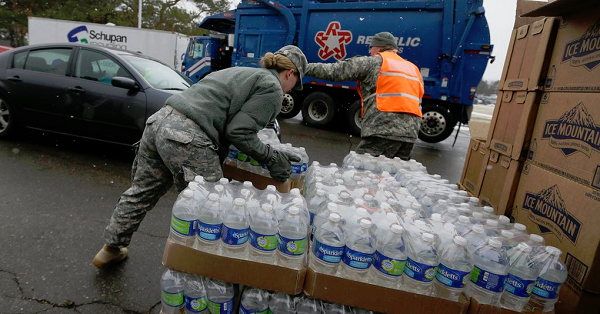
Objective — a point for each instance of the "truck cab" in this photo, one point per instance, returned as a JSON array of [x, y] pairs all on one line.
[[205, 54]]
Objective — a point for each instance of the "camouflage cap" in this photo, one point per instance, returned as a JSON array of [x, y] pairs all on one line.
[[298, 58], [384, 39]]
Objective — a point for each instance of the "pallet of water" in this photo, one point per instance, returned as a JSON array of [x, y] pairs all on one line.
[[236, 233]]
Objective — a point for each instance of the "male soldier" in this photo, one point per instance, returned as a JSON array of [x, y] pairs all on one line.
[[391, 89]]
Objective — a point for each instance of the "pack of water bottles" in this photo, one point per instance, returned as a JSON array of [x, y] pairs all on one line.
[[390, 223], [241, 161], [186, 293]]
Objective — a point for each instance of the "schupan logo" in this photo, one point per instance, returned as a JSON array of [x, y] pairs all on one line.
[[574, 131], [548, 210], [585, 51]]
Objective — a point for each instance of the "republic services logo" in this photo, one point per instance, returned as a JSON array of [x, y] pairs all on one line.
[[547, 209], [585, 51], [333, 41], [574, 131], [72, 36]]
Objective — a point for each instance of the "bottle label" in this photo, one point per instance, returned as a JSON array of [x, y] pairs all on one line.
[[196, 305], [221, 308], [243, 157], [182, 226], [487, 280], [296, 168], [356, 259], [292, 247], [232, 153], [451, 277], [312, 218], [174, 299], [327, 253], [546, 289], [243, 310], [304, 167], [209, 232], [263, 242], [518, 286], [232, 236], [387, 265], [419, 271], [254, 162]]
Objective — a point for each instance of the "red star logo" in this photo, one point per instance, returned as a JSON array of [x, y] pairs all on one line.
[[333, 41]]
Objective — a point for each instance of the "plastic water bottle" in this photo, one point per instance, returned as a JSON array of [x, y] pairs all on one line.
[[281, 303], [519, 229], [196, 300], [334, 308], [231, 158], [172, 297], [508, 240], [420, 266], [313, 203], [209, 225], [389, 259], [491, 228], [358, 254], [254, 300], [475, 238], [183, 219], [263, 235], [553, 274], [220, 296], [235, 230], [453, 272], [536, 242], [462, 225], [323, 216], [329, 243], [521, 278], [305, 305], [489, 273], [292, 239]]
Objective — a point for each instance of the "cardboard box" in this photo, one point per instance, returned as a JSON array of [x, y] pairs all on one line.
[[566, 138], [474, 168], [264, 276], [566, 214], [513, 121], [524, 6], [575, 62], [479, 128], [258, 181], [574, 301], [528, 53], [476, 308], [500, 182], [376, 298]]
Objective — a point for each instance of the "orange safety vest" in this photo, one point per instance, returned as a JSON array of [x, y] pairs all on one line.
[[399, 86]]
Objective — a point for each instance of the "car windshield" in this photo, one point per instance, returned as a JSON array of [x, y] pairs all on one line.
[[157, 74]]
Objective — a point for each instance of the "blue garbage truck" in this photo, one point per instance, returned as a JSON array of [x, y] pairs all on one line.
[[448, 40]]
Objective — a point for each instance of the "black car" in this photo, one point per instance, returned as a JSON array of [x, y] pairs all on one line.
[[84, 90]]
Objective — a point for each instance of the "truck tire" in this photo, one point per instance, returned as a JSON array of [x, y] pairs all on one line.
[[291, 105], [437, 123], [353, 118], [318, 109]]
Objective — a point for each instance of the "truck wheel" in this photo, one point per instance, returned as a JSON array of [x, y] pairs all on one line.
[[318, 109], [7, 119], [437, 123], [353, 118], [291, 106]]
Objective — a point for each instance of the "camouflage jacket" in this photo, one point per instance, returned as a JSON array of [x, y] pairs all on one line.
[[388, 125]]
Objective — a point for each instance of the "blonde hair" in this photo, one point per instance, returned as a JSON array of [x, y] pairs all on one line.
[[277, 62]]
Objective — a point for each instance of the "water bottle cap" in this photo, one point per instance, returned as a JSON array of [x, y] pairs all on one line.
[[199, 179], [267, 207], [397, 229], [247, 184], [366, 223], [524, 247], [271, 188], [385, 174], [553, 250], [464, 205], [385, 205], [488, 209], [463, 193], [298, 201], [507, 234], [350, 167], [344, 194], [452, 210], [294, 210], [463, 219], [504, 220], [315, 163], [536, 238], [478, 215], [495, 243], [474, 200], [339, 181], [442, 201], [436, 217], [359, 202], [362, 212], [188, 193], [445, 181], [213, 197], [295, 192], [224, 181], [420, 223], [368, 197], [460, 240], [478, 229], [320, 192], [410, 212], [417, 206], [193, 185], [491, 222], [436, 176], [333, 164], [332, 206], [335, 217], [356, 178], [520, 227], [239, 201], [449, 227], [427, 237]]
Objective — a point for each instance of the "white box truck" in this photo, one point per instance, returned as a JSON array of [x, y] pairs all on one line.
[[168, 47]]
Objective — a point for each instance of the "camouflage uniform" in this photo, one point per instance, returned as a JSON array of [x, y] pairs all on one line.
[[383, 133]]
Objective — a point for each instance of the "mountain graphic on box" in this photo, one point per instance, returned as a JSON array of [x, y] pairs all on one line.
[[593, 31], [578, 116], [551, 196]]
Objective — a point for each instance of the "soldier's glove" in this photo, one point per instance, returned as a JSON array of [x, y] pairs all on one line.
[[280, 166]]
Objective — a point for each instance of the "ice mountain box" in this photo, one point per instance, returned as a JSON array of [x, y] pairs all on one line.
[[474, 168]]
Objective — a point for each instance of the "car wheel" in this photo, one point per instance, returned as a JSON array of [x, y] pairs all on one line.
[[437, 123], [318, 109], [353, 118], [291, 106], [7, 118]]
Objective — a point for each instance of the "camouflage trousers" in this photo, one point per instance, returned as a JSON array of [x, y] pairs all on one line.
[[389, 148], [173, 150]]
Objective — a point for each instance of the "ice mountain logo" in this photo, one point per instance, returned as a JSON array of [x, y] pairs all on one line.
[[584, 51], [574, 131], [548, 210]]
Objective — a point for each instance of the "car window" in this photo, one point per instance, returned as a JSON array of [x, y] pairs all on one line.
[[157, 74], [53, 60], [95, 66], [19, 60]]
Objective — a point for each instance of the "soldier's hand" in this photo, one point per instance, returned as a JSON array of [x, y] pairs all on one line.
[[280, 166]]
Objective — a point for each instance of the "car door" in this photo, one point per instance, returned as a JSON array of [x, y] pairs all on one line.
[[37, 83], [100, 110]]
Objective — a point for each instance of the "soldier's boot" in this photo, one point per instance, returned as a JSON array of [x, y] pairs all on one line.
[[109, 255]]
